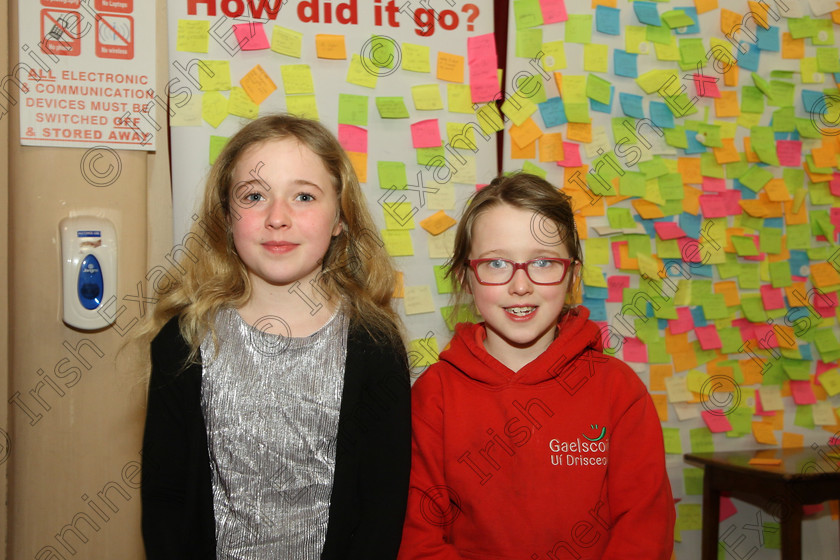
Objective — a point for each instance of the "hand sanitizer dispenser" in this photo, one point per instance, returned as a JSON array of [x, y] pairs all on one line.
[[89, 270]]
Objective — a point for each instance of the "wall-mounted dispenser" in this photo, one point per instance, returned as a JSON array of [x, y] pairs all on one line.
[[88, 270]]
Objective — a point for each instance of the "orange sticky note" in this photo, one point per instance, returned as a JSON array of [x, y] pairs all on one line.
[[399, 285], [689, 168], [727, 104], [763, 433], [759, 12], [792, 48], [359, 161], [450, 67], [790, 440], [729, 289], [526, 152], [824, 275], [777, 190], [646, 209], [691, 200], [579, 132], [525, 133], [257, 84], [704, 6], [551, 147], [727, 153], [437, 223], [658, 373], [660, 402], [765, 462], [330, 46]]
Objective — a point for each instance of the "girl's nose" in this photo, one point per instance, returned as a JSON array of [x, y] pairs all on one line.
[[278, 215], [520, 283]]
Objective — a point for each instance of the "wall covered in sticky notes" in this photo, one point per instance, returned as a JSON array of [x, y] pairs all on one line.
[[699, 141]]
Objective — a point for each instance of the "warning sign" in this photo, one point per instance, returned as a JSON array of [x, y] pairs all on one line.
[[93, 87], [115, 36], [62, 32]]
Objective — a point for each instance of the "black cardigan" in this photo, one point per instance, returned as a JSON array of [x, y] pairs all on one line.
[[373, 457]]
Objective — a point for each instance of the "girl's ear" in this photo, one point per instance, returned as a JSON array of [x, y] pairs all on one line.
[[339, 227]]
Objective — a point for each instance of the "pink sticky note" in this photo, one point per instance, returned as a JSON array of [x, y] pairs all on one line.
[[706, 86], [730, 201], [772, 298], [765, 335], [708, 337], [802, 392], [727, 508], [616, 251], [483, 66], [716, 420], [668, 230], [713, 184], [834, 185], [746, 328], [812, 509], [250, 36], [688, 249], [553, 10], [615, 286], [352, 138], [823, 367], [789, 152], [683, 323], [634, 350], [826, 304], [426, 134], [571, 151], [713, 206]]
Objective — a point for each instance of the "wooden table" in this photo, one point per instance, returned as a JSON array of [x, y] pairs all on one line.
[[805, 476]]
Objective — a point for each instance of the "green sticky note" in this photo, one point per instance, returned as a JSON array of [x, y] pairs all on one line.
[[620, 218], [780, 276], [673, 443], [677, 18], [825, 341], [445, 285], [555, 56], [383, 51], [753, 308], [804, 416], [463, 315], [770, 241], [752, 100], [658, 353], [784, 120], [391, 108], [579, 28], [391, 175], [689, 516], [676, 137], [597, 251], [352, 109], [632, 183], [693, 479], [828, 59], [528, 42], [653, 168], [635, 39], [432, 157], [217, 143], [797, 370], [781, 93], [598, 88], [527, 13], [763, 142], [755, 178], [740, 419], [701, 440], [772, 535], [214, 108], [692, 53], [659, 36], [714, 307], [533, 169]]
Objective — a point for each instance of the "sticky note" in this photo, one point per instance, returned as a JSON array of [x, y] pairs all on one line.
[[418, 299], [361, 73], [193, 35], [217, 144], [459, 98], [297, 78], [398, 215], [303, 106], [427, 97], [441, 246], [352, 109], [437, 223], [716, 421], [257, 84], [398, 243], [188, 113], [250, 36], [422, 352], [353, 138], [579, 28], [391, 108], [444, 283], [701, 440], [214, 75], [330, 47], [241, 105], [214, 108], [426, 134], [286, 41], [450, 67], [673, 443]]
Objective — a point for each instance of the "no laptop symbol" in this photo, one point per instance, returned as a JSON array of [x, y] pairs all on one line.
[[115, 36]]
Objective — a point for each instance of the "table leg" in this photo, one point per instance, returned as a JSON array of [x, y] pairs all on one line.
[[711, 518], [792, 533]]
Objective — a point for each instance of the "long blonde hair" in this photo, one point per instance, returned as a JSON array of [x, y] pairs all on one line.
[[355, 268]]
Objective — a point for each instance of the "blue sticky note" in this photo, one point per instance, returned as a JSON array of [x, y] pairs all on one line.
[[805, 352], [553, 112], [749, 60], [603, 107], [689, 29], [767, 39], [698, 316], [631, 105], [746, 192], [624, 64], [798, 263], [694, 145], [774, 222], [597, 308], [814, 102], [690, 224], [597, 292], [661, 115], [647, 14], [606, 20]]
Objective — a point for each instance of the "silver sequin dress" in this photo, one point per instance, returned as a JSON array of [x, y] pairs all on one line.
[[271, 407]]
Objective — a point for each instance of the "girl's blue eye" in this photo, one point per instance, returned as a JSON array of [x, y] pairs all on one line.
[[541, 263], [305, 197], [254, 197], [497, 264]]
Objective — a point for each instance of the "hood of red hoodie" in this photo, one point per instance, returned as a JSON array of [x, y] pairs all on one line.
[[466, 353]]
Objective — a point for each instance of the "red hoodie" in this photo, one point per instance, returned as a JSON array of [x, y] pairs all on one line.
[[561, 459]]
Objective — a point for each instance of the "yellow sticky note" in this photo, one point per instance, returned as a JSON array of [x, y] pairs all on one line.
[[830, 380], [286, 41], [257, 84], [193, 35], [442, 197], [450, 67], [397, 242], [464, 170], [359, 161], [297, 78], [441, 246], [415, 58], [398, 215], [214, 75], [418, 299], [303, 106], [330, 46], [361, 73], [555, 56], [595, 56], [518, 108], [677, 390], [241, 105], [189, 112], [459, 98], [427, 97], [422, 352], [214, 108], [439, 222]]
